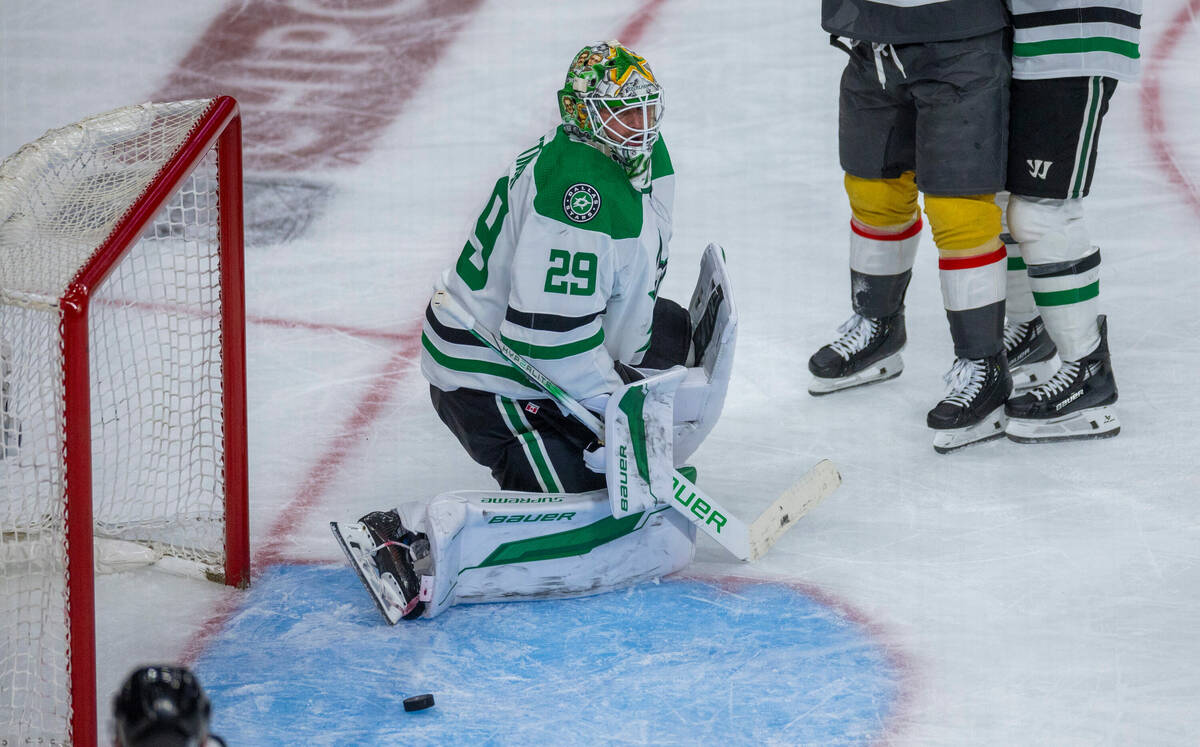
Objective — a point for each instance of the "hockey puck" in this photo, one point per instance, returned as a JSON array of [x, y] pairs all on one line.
[[419, 702]]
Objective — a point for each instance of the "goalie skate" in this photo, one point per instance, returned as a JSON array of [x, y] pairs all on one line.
[[358, 544]]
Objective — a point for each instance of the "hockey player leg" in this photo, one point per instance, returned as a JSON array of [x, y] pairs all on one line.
[[885, 232], [972, 266], [1064, 269], [1032, 357]]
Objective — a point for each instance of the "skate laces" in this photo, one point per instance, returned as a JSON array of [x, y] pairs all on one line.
[[1014, 333], [1058, 382], [964, 380], [856, 332]]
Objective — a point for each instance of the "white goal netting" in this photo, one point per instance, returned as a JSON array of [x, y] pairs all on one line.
[[154, 364]]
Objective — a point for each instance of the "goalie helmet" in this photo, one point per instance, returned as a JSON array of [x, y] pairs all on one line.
[[163, 706], [612, 100]]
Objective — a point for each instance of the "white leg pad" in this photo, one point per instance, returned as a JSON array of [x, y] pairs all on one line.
[[491, 546]]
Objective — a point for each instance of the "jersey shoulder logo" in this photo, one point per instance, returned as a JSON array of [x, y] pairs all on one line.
[[581, 202]]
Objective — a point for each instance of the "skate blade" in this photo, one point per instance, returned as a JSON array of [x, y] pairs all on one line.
[[888, 368], [1029, 375], [953, 439], [356, 543], [1094, 422]]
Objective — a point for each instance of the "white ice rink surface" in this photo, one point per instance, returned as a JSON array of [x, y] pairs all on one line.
[[1039, 594]]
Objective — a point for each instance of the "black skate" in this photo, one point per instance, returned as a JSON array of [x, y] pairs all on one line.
[[868, 351], [386, 555], [973, 408], [1032, 357], [1078, 402]]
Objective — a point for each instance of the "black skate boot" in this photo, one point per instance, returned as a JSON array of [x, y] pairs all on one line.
[[1077, 402], [868, 351], [1032, 357], [973, 408], [397, 552]]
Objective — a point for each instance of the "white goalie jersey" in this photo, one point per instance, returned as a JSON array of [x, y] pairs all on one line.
[[564, 262]]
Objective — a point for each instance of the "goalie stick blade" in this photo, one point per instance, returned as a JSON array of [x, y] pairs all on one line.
[[356, 542], [795, 502]]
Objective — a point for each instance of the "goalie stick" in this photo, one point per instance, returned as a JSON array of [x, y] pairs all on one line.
[[744, 542]]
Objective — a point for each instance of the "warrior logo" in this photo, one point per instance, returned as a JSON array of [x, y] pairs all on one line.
[[581, 202], [1038, 168]]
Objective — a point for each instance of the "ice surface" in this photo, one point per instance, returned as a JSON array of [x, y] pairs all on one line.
[[1040, 594]]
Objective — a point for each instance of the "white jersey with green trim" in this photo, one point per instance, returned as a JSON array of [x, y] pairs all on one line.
[[564, 263], [1075, 38]]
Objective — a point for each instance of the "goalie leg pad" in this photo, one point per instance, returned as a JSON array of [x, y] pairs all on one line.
[[491, 546]]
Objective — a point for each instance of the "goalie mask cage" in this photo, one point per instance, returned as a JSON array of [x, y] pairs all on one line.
[[122, 365]]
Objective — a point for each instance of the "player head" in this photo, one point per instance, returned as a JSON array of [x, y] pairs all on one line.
[[161, 706], [612, 99]]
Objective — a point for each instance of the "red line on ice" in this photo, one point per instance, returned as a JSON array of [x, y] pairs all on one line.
[[1152, 113]]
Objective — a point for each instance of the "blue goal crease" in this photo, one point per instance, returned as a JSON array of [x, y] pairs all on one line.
[[308, 659]]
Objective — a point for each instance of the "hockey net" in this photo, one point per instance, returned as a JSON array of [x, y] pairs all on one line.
[[122, 400]]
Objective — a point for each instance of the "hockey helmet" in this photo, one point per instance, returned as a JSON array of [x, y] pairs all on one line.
[[611, 99], [161, 706]]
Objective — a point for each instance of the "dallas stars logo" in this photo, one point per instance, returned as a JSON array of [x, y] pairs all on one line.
[[625, 63], [581, 202]]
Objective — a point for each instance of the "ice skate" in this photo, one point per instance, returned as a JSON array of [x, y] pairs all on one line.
[[385, 556], [868, 351], [1078, 402], [973, 408], [1032, 356]]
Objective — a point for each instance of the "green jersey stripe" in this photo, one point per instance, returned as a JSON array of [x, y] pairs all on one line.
[[1075, 46], [469, 365], [555, 352]]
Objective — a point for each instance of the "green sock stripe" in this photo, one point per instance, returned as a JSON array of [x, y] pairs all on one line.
[[1068, 296], [1016, 263]]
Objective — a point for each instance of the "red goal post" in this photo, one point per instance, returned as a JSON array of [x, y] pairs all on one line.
[[122, 364]]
